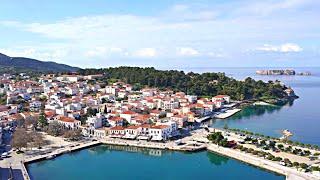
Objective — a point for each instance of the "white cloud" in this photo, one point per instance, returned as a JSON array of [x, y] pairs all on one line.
[[192, 29], [188, 51], [216, 55], [102, 51], [180, 7], [283, 48], [116, 50], [265, 8], [96, 52], [145, 52]]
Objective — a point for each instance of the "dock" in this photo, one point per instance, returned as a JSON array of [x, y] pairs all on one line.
[[189, 147], [227, 113], [60, 152]]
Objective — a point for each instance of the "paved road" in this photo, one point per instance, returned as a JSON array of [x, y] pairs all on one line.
[[10, 165]]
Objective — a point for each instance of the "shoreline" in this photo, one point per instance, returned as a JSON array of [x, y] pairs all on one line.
[[289, 173]]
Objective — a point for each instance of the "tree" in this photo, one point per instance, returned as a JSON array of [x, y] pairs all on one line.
[[73, 134], [31, 122], [280, 146], [295, 164], [272, 144], [42, 120], [91, 112], [303, 165], [193, 83], [55, 129], [20, 139], [216, 137], [37, 139]]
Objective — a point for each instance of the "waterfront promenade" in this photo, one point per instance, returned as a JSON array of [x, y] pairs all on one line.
[[290, 173]]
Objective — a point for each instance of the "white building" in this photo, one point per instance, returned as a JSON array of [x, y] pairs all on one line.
[[69, 123], [224, 98], [169, 104], [159, 132], [95, 121], [191, 98], [132, 132], [111, 90], [172, 127]]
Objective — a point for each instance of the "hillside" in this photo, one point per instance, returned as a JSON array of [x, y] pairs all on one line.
[[19, 64]]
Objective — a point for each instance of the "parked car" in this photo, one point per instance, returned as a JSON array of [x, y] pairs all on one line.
[[282, 163], [4, 155]]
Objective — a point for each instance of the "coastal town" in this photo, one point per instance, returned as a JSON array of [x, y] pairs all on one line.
[[77, 111], [100, 110]]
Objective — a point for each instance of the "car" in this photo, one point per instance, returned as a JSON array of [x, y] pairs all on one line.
[[282, 163], [4, 155]]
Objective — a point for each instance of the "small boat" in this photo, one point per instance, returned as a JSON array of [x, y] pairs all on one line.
[[51, 156], [286, 133], [178, 142]]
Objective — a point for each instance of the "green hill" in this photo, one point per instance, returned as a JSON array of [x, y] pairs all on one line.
[[19, 64]]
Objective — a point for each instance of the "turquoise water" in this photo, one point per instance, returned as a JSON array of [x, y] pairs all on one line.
[[120, 162]]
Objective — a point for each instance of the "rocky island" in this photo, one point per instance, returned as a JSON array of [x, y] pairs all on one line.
[[289, 72]]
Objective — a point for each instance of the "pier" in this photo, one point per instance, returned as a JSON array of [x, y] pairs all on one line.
[[227, 113], [58, 152]]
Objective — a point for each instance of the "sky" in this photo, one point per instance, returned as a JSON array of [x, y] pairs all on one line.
[[163, 34]]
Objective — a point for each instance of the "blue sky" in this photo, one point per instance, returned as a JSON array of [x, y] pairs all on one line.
[[164, 33]]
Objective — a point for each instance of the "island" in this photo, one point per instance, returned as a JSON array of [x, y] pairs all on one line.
[[288, 72]]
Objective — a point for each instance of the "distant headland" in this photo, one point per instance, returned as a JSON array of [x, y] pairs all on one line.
[[289, 72]]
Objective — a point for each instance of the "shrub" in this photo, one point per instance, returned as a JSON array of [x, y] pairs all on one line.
[[280, 146], [315, 168], [296, 164], [303, 165], [270, 157], [277, 159]]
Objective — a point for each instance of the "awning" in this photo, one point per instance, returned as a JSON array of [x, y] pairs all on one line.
[[143, 137], [129, 136], [156, 138]]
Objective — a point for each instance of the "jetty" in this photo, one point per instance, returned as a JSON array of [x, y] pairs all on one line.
[[227, 113], [71, 148], [199, 120]]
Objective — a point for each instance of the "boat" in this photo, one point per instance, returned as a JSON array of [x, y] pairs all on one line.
[[51, 156], [178, 142], [4, 155], [287, 133]]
